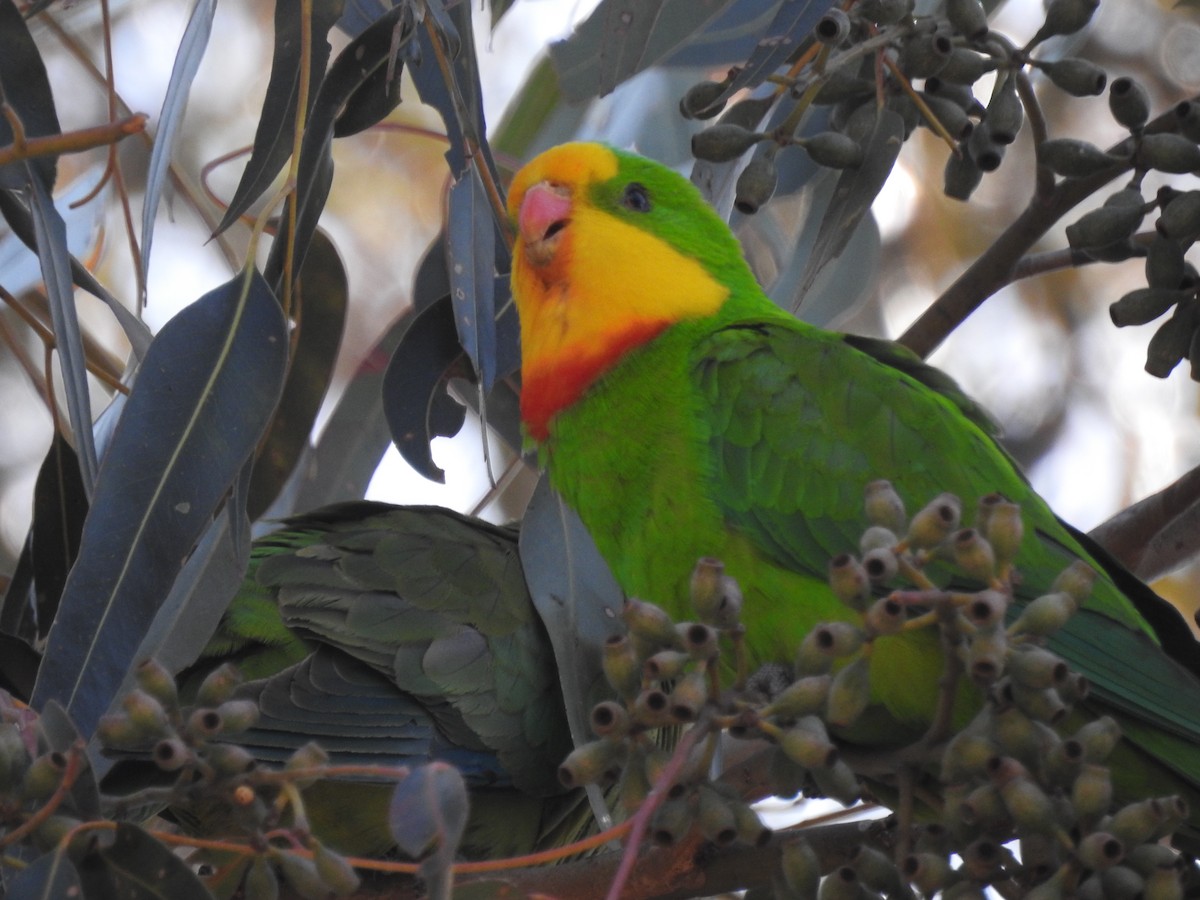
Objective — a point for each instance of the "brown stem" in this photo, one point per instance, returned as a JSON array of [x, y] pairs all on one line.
[[71, 141]]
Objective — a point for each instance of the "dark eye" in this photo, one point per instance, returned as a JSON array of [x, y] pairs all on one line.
[[636, 198]]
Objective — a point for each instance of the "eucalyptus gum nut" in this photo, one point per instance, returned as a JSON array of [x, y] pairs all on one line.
[[981, 858], [958, 94], [1145, 858], [961, 176], [301, 874], [334, 870], [848, 580], [966, 756], [700, 641], [652, 708], [1106, 225], [748, 113], [876, 870], [935, 521], [839, 87], [1040, 853], [146, 713], [1180, 218], [833, 150], [810, 658], [716, 597], [1066, 17], [803, 697], [950, 115], [43, 776], [1128, 102], [750, 828], [1028, 805], [1143, 305], [883, 507], [987, 152], [672, 821], [1005, 114], [154, 678], [590, 763], [13, 756], [850, 693], [620, 664], [650, 622], [877, 537], [218, 685], [310, 756], [689, 696], [1041, 705], [884, 616], [785, 776], [171, 754], [1099, 851], [808, 745], [723, 142], [261, 882], [929, 872], [1072, 158], [1164, 263], [987, 608], [1036, 668], [1171, 153], [1122, 883], [833, 27], [1136, 823], [838, 639], [838, 782], [903, 106], [1049, 889], [973, 554], [965, 66], [1187, 119], [968, 18], [881, 565], [237, 715], [229, 760], [801, 867], [701, 100], [1077, 77], [118, 730], [1170, 343], [925, 55], [1092, 792], [1098, 738], [609, 719], [985, 655], [665, 665], [1163, 884], [755, 185], [840, 884], [715, 817]]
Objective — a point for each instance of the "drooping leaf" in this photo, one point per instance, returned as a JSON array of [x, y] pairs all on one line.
[[415, 401], [59, 509], [204, 393], [51, 237], [187, 62], [25, 87], [428, 814], [621, 38], [274, 138], [792, 23], [50, 876], [855, 192], [470, 261], [138, 866], [320, 304], [354, 66], [728, 38]]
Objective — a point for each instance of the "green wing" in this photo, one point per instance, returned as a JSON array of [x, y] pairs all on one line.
[[799, 420]]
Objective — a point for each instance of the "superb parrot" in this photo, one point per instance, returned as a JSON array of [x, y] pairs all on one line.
[[397, 635], [682, 414]]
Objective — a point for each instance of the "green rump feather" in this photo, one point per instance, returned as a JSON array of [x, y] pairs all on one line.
[[750, 436]]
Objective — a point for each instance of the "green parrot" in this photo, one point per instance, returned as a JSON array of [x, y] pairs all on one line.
[[395, 636], [683, 415]]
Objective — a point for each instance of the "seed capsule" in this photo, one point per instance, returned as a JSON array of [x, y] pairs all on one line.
[[961, 176], [935, 522], [1065, 17], [1180, 218], [1046, 615], [689, 696], [1129, 103], [987, 152], [832, 28], [848, 580], [1036, 668], [1072, 158], [1005, 113], [339, 876], [218, 685], [840, 884], [154, 678], [986, 609], [609, 719], [1077, 77], [1163, 884], [929, 872], [838, 782], [966, 756], [1170, 343], [652, 708], [750, 829], [801, 867], [723, 142], [973, 554], [309, 756], [261, 882], [171, 754], [699, 641], [881, 565], [925, 55], [850, 693], [949, 114], [229, 760], [985, 655], [649, 622], [885, 616], [716, 597], [748, 113], [801, 698], [621, 667], [1092, 792], [755, 185], [702, 100], [237, 715], [590, 763], [808, 744], [146, 714], [1187, 119], [1098, 738], [877, 537], [1099, 850], [965, 66], [968, 18], [672, 822], [1172, 153], [1142, 305], [833, 150], [839, 87], [1103, 226], [1164, 263]]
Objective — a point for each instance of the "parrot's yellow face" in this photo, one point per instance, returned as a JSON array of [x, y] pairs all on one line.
[[595, 271]]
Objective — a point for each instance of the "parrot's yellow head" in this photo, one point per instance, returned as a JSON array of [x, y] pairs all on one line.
[[611, 249]]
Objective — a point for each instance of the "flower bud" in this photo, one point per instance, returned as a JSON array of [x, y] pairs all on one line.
[[962, 175], [966, 756], [1046, 615], [848, 580], [1077, 77], [300, 873], [42, 777], [929, 872], [755, 185], [1073, 158], [723, 142], [591, 763], [924, 55], [1164, 263], [808, 744], [337, 874], [1187, 119], [665, 665], [965, 66], [1163, 884], [649, 623], [1171, 342], [1143, 305], [968, 18], [1036, 668], [875, 870], [973, 554], [801, 867], [620, 664], [750, 112], [935, 521], [609, 719], [878, 538], [849, 693], [803, 697], [237, 715], [840, 884], [1122, 883], [229, 760], [833, 150], [146, 714], [702, 101], [716, 597], [1128, 102], [1005, 113], [1105, 225], [837, 782], [652, 708], [1039, 705], [1172, 153], [116, 730], [689, 696], [218, 685]]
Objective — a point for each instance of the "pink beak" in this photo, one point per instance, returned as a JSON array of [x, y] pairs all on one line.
[[545, 209]]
